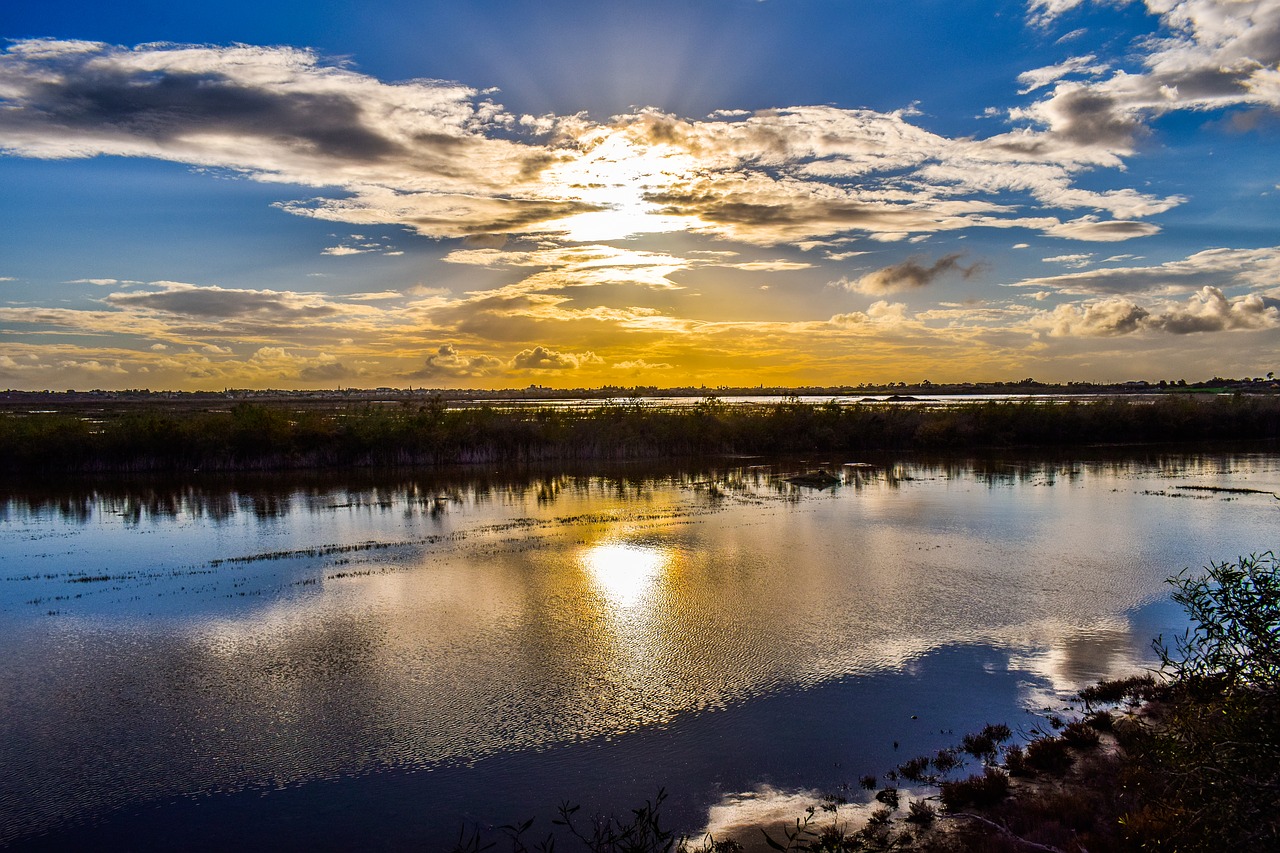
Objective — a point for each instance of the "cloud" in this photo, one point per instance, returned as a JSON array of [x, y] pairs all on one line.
[[443, 160], [448, 363], [1045, 12], [1040, 77], [217, 303], [326, 369], [1077, 260], [541, 358], [881, 313], [101, 282], [640, 364], [1209, 54], [769, 266], [1210, 310], [1224, 268], [1101, 231], [908, 275], [422, 153], [1114, 315]]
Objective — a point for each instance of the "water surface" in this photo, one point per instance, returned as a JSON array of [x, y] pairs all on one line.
[[290, 663]]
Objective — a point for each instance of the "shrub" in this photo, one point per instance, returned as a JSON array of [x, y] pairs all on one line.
[[1136, 688], [1235, 608], [1050, 755], [1080, 735], [979, 790], [921, 813]]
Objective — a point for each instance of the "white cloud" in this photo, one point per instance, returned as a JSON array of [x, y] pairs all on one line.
[[1114, 315], [1041, 77], [1077, 260], [1224, 268], [1208, 310], [1044, 12], [881, 313], [1097, 230]]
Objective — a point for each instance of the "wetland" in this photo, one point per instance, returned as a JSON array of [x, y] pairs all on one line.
[[378, 659]]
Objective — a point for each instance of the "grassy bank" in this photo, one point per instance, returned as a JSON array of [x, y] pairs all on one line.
[[250, 436]]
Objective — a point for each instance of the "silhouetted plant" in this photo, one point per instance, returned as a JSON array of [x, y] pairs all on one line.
[[981, 790]]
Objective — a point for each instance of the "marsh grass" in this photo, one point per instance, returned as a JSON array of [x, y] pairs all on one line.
[[250, 436]]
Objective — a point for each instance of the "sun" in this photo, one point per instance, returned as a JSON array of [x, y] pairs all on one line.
[[616, 171]]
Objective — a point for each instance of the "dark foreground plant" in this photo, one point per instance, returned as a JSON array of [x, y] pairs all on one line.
[[642, 832], [1235, 639]]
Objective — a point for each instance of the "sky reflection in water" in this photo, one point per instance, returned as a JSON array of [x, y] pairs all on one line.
[[171, 641]]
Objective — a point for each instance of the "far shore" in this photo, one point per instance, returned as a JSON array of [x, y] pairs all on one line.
[[197, 433]]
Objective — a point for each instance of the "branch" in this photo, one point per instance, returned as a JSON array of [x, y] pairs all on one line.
[[1001, 828]]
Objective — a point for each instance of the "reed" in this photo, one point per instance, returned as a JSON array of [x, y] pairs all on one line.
[[259, 437]]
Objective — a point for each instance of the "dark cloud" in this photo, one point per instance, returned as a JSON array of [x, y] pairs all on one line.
[[1090, 228], [506, 215], [1087, 117], [215, 303], [172, 105], [909, 275]]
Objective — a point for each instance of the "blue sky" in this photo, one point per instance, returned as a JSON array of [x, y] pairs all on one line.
[[725, 192]]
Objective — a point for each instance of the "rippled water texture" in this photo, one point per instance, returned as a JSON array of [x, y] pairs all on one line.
[[499, 630]]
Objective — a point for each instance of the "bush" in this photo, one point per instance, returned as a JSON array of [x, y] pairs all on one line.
[[979, 790], [1235, 608], [1049, 754]]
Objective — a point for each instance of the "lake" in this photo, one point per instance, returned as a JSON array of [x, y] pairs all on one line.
[[380, 660]]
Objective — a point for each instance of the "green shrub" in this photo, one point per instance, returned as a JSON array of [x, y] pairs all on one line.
[[1235, 638]]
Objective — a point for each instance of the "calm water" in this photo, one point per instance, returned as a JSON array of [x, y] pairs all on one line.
[[279, 664]]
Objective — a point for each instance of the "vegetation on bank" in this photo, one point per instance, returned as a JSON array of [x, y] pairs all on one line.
[[251, 436], [1186, 762]]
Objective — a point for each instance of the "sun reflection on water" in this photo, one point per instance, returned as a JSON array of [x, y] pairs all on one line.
[[625, 573]]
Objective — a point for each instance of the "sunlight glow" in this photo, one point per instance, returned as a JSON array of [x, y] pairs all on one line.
[[625, 573], [616, 171]]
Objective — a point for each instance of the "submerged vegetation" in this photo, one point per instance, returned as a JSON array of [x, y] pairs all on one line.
[[1189, 761], [252, 436]]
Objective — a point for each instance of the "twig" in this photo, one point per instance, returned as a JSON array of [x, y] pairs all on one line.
[[1010, 833]]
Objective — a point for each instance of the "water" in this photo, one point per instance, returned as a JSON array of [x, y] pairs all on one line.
[[324, 664]]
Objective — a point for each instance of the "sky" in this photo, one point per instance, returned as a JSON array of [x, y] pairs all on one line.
[[412, 193]]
